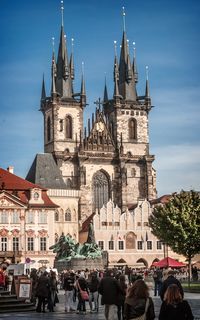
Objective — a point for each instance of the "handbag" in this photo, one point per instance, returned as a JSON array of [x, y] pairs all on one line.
[[83, 293], [143, 316]]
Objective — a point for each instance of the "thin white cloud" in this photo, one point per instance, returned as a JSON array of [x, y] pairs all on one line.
[[177, 168], [177, 157]]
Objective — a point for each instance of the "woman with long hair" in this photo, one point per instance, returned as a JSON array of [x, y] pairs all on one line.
[[138, 303], [174, 307]]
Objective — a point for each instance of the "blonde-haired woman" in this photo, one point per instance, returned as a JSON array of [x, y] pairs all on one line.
[[138, 303], [174, 307]]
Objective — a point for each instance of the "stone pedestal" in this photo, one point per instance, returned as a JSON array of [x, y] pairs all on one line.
[[79, 264]]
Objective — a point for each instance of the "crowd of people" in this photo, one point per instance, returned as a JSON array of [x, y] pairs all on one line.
[[124, 293]]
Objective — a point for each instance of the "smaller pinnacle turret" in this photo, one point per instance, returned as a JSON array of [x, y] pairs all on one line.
[[43, 94], [83, 92], [105, 95], [147, 94], [135, 73], [53, 73], [72, 61], [116, 73]]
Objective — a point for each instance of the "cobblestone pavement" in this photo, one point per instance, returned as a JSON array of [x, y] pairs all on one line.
[[59, 314]]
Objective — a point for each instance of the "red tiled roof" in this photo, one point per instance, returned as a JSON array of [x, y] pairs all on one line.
[[9, 181], [86, 223], [162, 200], [20, 188]]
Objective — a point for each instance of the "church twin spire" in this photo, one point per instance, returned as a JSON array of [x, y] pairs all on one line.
[[62, 71], [125, 74]]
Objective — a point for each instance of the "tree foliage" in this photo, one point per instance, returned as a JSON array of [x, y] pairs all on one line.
[[177, 223]]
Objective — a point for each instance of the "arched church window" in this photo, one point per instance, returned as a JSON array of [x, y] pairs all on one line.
[[48, 129], [101, 189], [130, 240], [68, 216], [69, 127], [132, 129]]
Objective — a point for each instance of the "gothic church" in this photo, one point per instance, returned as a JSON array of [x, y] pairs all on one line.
[[108, 159]]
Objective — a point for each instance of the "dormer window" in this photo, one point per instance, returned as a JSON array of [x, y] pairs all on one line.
[[36, 195]]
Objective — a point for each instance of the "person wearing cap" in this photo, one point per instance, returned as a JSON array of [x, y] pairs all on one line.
[[169, 281]]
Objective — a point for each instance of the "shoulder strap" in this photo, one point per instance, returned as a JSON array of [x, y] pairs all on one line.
[[146, 306]]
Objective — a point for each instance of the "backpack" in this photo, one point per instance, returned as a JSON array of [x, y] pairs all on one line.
[[2, 279]]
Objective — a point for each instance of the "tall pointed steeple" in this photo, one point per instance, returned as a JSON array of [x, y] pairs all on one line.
[[126, 79], [63, 80], [135, 73]]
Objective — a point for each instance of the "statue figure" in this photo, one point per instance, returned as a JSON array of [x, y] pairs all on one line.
[[64, 248], [91, 237], [67, 248]]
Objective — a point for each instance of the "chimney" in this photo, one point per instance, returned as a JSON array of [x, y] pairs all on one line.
[[10, 169]]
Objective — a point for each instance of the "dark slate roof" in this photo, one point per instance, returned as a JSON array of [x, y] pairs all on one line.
[[45, 172]]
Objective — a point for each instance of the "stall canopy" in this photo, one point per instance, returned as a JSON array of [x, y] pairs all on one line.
[[168, 262]]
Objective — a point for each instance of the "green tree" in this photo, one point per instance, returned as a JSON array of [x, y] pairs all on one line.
[[177, 224]]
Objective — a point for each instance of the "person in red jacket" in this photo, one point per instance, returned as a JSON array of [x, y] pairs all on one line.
[[2, 279]]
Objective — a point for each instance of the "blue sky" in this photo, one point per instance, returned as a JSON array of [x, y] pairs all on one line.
[[167, 40]]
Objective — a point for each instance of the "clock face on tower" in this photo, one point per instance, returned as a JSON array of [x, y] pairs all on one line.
[[99, 126]]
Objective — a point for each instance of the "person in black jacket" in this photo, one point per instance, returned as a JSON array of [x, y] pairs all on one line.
[[122, 296], [81, 284], [138, 302], [109, 288], [170, 280], [68, 286], [174, 307], [42, 291], [93, 284]]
